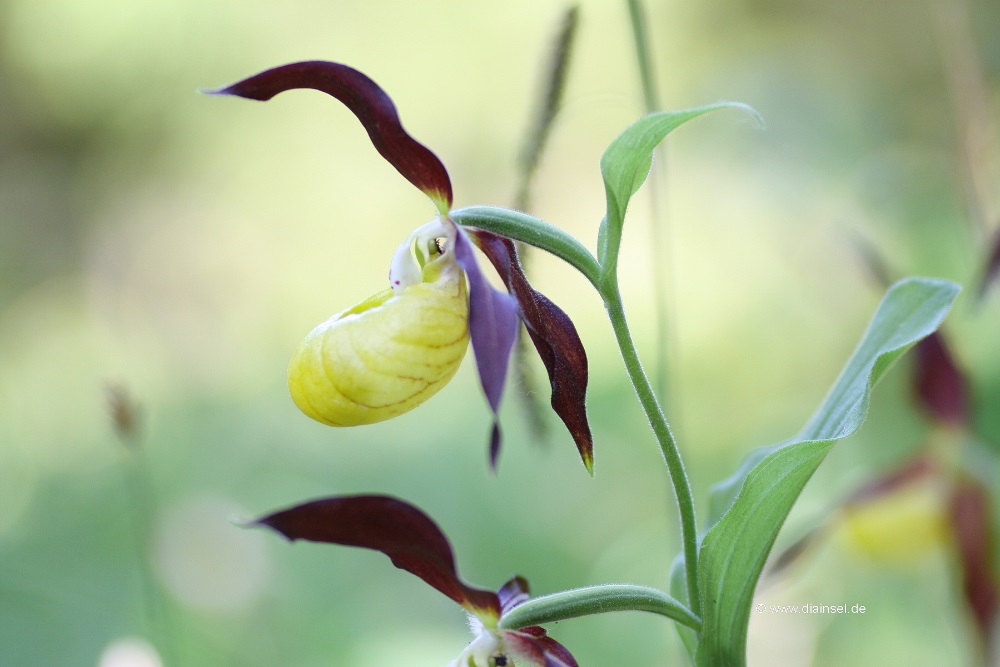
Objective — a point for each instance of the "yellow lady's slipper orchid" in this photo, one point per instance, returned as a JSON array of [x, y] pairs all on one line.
[[394, 350], [397, 348], [899, 526]]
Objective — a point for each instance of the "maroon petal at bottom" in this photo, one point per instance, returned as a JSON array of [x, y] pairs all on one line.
[[940, 386], [532, 646], [970, 513], [402, 532]]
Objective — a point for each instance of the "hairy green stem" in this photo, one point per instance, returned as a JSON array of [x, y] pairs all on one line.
[[533, 231], [597, 600], [541, 234], [664, 438]]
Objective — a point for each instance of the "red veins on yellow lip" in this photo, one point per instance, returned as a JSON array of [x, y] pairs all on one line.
[[386, 355]]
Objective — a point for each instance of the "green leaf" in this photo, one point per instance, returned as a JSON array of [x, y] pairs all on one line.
[[759, 498], [724, 493], [625, 165]]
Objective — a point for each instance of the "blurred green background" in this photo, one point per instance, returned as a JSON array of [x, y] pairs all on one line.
[[179, 246]]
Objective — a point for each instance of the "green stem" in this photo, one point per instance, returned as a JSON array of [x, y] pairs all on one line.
[[665, 439], [643, 55], [533, 231], [597, 600], [659, 231]]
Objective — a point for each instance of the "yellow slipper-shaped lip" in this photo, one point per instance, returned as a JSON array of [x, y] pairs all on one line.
[[394, 350]]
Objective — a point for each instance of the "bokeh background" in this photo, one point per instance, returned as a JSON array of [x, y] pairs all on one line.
[[176, 247]]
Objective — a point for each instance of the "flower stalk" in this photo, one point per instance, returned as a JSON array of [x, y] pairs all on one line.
[[598, 600], [661, 430]]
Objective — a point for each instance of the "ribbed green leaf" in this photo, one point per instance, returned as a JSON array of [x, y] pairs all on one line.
[[754, 503]]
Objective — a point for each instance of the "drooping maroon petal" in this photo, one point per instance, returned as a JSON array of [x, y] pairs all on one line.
[[533, 645], [939, 385], [402, 532], [493, 325], [513, 593], [370, 104], [971, 525], [555, 338]]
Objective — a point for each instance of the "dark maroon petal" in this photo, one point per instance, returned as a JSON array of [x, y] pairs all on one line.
[[971, 524], [910, 472], [493, 325], [370, 104], [940, 386], [992, 270], [531, 644], [399, 530], [513, 593], [554, 337]]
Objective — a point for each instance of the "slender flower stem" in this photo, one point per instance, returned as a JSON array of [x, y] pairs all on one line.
[[637, 20], [665, 439], [597, 600]]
